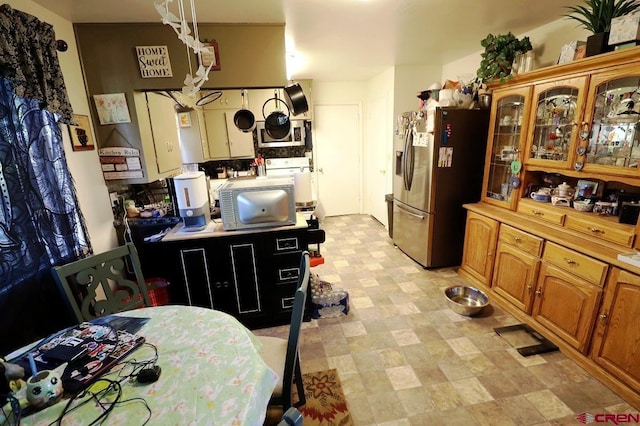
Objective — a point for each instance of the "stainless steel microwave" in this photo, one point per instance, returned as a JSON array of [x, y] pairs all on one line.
[[295, 137]]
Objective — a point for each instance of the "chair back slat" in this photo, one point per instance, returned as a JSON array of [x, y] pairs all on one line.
[[101, 284]]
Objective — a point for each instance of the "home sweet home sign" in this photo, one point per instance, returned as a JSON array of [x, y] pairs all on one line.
[[154, 61]]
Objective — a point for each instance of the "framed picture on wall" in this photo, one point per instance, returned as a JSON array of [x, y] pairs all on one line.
[[81, 138], [212, 57]]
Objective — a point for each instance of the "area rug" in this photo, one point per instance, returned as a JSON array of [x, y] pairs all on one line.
[[326, 404]]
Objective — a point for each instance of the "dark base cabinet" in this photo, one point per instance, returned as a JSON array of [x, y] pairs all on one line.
[[252, 276]]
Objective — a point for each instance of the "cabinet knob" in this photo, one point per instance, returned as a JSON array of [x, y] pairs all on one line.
[[539, 292], [537, 212], [584, 131], [603, 317], [529, 289], [517, 239], [596, 230], [571, 262]]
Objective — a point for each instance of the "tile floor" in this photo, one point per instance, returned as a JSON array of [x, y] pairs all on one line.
[[404, 358]]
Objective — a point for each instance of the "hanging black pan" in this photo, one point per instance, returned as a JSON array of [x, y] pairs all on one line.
[[243, 118], [296, 100], [277, 124]]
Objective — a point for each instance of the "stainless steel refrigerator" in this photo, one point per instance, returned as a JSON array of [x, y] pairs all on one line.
[[439, 162]]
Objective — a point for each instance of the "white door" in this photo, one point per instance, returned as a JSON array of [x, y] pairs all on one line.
[[376, 152], [336, 140]]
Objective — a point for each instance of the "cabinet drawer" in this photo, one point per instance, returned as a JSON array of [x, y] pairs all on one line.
[[284, 244], [612, 232], [583, 266], [526, 242], [540, 211]]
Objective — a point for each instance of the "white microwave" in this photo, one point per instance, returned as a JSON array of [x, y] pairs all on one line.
[[257, 203], [295, 137]]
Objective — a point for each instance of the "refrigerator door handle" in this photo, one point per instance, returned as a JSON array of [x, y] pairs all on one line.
[[408, 158], [417, 216]]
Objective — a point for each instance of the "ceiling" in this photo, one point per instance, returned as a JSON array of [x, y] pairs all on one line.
[[336, 40]]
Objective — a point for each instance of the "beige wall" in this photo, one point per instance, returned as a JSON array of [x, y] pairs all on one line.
[[547, 42], [84, 165]]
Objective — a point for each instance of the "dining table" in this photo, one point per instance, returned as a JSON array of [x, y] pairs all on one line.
[[212, 373]]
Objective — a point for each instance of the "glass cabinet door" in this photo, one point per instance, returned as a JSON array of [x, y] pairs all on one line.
[[613, 141], [554, 123], [502, 165]]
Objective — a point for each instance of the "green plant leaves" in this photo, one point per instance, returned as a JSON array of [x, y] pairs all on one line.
[[596, 15], [497, 58]]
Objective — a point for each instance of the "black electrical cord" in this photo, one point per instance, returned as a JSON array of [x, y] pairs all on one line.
[[135, 366], [107, 406]]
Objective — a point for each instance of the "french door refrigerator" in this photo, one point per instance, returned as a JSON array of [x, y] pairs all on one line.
[[439, 162]]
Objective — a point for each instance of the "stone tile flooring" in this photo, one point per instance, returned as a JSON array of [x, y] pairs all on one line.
[[404, 358]]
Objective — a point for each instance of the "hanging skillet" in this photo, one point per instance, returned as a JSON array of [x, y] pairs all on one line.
[[296, 100], [277, 124], [243, 118]]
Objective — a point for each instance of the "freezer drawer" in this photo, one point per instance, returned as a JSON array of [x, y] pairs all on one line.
[[411, 232]]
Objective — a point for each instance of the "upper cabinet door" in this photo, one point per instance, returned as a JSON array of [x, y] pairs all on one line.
[[216, 99], [240, 143], [164, 128], [553, 132], [507, 128], [609, 135]]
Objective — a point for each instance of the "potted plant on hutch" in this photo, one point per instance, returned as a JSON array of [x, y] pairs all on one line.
[[498, 56], [596, 16]]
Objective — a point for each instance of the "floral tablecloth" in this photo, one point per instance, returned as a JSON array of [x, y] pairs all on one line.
[[212, 374]]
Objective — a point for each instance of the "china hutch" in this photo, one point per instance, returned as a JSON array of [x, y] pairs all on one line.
[[552, 266]]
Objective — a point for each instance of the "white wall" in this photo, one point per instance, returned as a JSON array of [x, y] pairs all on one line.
[[84, 165], [409, 80]]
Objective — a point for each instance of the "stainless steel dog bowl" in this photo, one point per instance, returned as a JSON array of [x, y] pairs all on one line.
[[465, 300]]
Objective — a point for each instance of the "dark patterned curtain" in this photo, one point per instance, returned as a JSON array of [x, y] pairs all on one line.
[[28, 58], [40, 221]]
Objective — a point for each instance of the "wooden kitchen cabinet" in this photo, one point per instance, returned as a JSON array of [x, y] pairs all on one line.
[[479, 247], [220, 99], [507, 130], [617, 335], [516, 266], [554, 122], [158, 133], [224, 139], [611, 137], [581, 120], [568, 294]]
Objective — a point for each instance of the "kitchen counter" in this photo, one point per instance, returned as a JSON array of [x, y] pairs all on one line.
[[214, 229]]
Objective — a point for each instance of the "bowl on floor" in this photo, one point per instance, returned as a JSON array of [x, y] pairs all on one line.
[[465, 300]]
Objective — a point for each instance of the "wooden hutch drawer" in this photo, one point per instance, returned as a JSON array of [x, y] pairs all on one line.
[[523, 241], [540, 211], [583, 266], [612, 232]]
